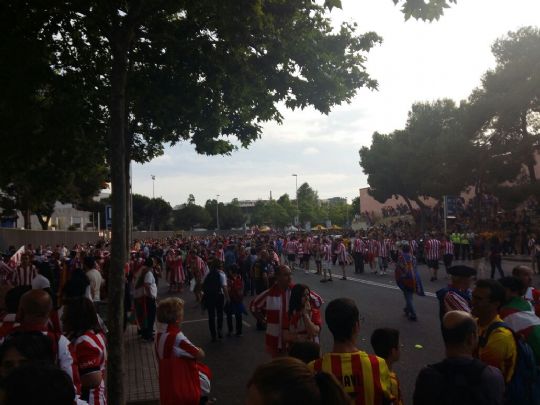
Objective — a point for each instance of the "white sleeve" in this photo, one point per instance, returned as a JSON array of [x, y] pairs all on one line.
[[65, 360]]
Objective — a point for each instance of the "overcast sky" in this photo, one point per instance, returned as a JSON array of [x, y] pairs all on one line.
[[417, 61]]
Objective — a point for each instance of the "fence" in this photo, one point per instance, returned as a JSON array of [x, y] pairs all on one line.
[[19, 237]]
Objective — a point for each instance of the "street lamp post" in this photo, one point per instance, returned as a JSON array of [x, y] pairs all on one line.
[[217, 212], [297, 211], [153, 183]]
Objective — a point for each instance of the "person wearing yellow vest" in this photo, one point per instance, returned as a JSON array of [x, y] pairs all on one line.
[[456, 240], [365, 377], [499, 348]]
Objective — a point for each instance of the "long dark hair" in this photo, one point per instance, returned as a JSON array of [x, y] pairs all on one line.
[[295, 302], [79, 316]]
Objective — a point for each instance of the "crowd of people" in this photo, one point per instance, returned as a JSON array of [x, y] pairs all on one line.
[[52, 298]]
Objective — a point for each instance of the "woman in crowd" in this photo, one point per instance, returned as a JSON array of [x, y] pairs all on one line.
[[304, 322], [81, 326]]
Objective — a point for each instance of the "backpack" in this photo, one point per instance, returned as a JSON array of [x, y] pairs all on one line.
[[461, 383], [212, 284], [524, 386]]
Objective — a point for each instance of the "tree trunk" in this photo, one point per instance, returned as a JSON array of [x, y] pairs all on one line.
[[43, 220], [423, 209], [117, 143]]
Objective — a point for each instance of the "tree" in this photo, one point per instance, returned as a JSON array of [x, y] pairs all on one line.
[[231, 216], [429, 158], [203, 72], [308, 204], [285, 202], [151, 213], [424, 10], [355, 206], [270, 213], [191, 216], [507, 106]]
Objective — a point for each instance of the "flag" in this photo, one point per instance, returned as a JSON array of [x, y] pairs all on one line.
[[16, 258]]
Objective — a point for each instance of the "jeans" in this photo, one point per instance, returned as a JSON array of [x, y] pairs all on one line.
[[234, 309], [214, 304], [409, 307]]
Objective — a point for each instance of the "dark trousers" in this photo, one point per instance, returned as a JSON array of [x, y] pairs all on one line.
[[358, 262], [147, 332], [214, 304], [447, 260], [234, 310], [465, 250], [496, 263]]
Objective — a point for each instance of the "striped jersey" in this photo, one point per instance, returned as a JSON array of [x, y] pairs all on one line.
[[274, 303], [359, 246], [292, 247], [341, 252], [24, 275], [91, 353], [365, 377], [447, 247], [432, 248], [327, 252], [373, 247]]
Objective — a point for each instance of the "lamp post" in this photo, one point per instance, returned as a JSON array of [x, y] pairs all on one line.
[[153, 183], [217, 212], [297, 211]]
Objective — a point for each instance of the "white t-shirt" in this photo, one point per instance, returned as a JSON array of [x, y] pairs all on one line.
[[39, 282], [149, 279], [95, 278]]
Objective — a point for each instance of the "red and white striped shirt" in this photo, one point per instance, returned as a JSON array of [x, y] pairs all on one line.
[[292, 247], [373, 247], [91, 353], [447, 247], [383, 249], [327, 252], [6, 274], [359, 246], [274, 303], [341, 252], [24, 275], [432, 247]]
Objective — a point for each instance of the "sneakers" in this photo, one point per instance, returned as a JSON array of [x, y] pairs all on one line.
[[343, 278], [330, 279], [324, 280]]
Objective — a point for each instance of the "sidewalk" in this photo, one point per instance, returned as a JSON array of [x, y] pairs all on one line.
[[142, 386]]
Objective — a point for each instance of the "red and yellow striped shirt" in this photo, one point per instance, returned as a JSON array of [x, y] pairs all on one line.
[[365, 377]]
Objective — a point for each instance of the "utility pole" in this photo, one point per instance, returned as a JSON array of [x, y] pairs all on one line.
[[217, 212], [297, 211]]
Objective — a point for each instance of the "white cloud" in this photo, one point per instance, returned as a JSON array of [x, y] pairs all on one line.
[[417, 62], [310, 151]]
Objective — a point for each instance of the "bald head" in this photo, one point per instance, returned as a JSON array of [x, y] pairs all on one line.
[[35, 306], [524, 273], [458, 327]]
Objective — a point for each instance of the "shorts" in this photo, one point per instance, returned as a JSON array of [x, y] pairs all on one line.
[[307, 256], [291, 257], [327, 264], [382, 262], [433, 264]]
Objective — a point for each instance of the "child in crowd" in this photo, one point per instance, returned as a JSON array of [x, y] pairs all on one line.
[[182, 378], [236, 306], [385, 343]]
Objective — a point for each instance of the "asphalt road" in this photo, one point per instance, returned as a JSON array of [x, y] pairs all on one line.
[[233, 359]]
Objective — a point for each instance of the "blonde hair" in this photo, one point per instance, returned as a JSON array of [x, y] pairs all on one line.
[[170, 310]]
